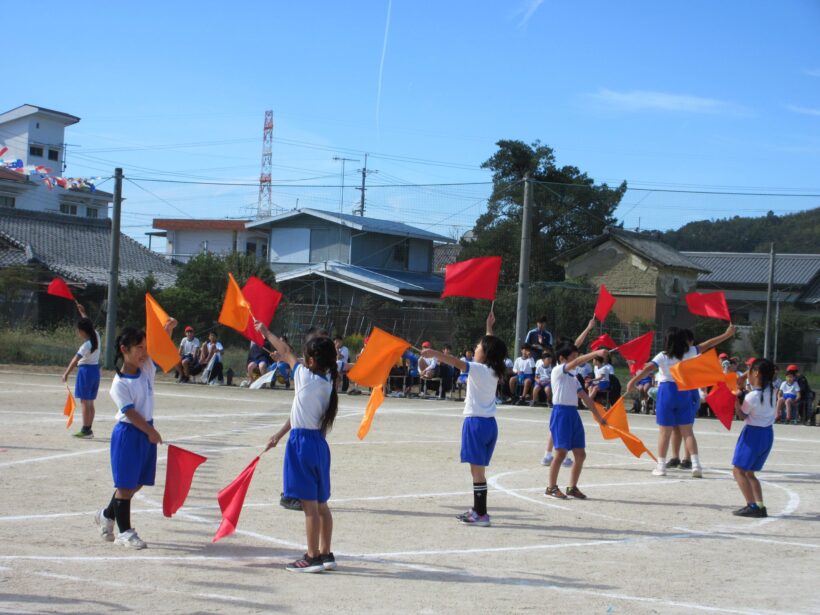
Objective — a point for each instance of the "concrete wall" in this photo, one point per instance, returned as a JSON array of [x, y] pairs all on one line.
[[181, 245]]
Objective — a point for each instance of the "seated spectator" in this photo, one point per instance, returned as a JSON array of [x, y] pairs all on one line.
[[543, 373], [523, 375], [189, 353], [211, 357], [788, 397], [259, 361], [411, 364], [603, 370], [447, 373], [281, 367]]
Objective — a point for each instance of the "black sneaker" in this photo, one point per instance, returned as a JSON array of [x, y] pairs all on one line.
[[751, 511], [306, 564], [328, 561], [674, 463], [290, 503], [686, 464]]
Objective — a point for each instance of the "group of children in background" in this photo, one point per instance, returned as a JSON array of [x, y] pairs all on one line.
[[559, 374]]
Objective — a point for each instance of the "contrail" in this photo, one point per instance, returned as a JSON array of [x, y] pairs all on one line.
[[381, 66]]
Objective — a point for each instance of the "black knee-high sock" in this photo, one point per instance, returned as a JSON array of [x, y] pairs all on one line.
[[480, 498], [110, 511], [123, 514]]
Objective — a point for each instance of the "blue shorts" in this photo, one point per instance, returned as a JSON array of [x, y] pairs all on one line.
[[522, 378], [791, 396], [566, 428], [88, 382], [133, 457], [283, 370], [675, 407], [603, 385], [753, 447], [643, 381], [307, 466], [478, 437], [190, 358]]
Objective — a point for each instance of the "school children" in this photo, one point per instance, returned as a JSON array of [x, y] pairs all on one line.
[[87, 361], [479, 431], [307, 454], [543, 370], [523, 375], [566, 428], [757, 409], [788, 396], [134, 439], [189, 353], [603, 370], [673, 407]]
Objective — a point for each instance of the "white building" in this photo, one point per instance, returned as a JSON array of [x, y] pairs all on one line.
[[185, 238], [36, 136]]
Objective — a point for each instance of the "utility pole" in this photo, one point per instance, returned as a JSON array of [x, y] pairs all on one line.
[[776, 327], [113, 273], [524, 268], [365, 173], [342, 159], [769, 302]]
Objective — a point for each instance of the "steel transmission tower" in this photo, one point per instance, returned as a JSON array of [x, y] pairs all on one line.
[[263, 207]]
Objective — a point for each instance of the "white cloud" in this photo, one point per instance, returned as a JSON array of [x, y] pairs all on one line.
[[803, 110], [645, 100], [527, 10]]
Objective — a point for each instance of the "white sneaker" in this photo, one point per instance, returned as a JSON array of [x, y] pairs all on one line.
[[660, 470], [129, 539], [547, 460], [697, 472], [105, 524], [567, 463]]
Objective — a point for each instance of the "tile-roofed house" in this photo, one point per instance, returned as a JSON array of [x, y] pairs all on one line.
[[76, 248], [744, 277], [648, 278]]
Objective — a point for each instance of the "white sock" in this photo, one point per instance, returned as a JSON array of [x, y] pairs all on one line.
[[695, 461], [661, 462]]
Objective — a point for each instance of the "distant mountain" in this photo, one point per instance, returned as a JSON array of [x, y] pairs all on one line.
[[797, 233]]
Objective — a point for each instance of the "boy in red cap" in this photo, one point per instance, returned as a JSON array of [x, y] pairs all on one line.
[[188, 351]]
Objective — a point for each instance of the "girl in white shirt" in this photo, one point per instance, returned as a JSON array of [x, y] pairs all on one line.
[[307, 455], [87, 361], [603, 370], [757, 409], [479, 431]]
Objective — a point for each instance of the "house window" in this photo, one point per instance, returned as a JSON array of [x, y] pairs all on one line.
[[35, 150], [92, 212], [53, 154], [250, 248], [401, 253], [6, 201], [67, 208], [265, 251]]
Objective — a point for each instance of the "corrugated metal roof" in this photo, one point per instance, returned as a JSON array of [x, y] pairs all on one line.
[[371, 225], [187, 224], [79, 248], [752, 268], [397, 285]]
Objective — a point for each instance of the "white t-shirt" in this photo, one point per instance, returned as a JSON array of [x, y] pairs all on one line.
[[86, 356], [430, 363], [135, 391], [585, 369], [344, 353], [604, 372], [524, 366], [758, 405], [792, 388], [482, 383], [219, 349], [311, 398], [542, 372], [565, 387], [665, 362], [508, 362], [189, 346]]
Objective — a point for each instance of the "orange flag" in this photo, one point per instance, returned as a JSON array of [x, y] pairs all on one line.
[[70, 406], [376, 399], [702, 371], [161, 347], [614, 417], [380, 355], [235, 309], [731, 381], [635, 445], [372, 369]]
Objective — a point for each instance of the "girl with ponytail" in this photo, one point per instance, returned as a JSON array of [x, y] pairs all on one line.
[[307, 454], [87, 361]]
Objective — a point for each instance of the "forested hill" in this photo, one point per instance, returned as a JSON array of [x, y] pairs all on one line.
[[792, 234]]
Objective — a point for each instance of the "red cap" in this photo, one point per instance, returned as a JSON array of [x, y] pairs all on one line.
[[426, 345], [750, 361], [723, 355], [792, 368], [188, 328]]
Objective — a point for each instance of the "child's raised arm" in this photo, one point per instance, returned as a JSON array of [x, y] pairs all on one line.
[[726, 335], [490, 322], [649, 368], [429, 353], [282, 348], [571, 365], [583, 335]]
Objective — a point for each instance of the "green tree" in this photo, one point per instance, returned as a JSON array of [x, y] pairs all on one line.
[[568, 209], [131, 301]]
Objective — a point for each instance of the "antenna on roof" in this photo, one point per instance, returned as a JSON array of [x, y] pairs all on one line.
[[263, 207]]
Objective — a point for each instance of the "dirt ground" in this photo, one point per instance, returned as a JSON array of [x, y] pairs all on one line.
[[639, 544]]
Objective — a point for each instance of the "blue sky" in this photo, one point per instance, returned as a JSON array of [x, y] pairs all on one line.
[[694, 95]]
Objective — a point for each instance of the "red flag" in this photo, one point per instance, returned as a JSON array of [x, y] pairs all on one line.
[[638, 350], [231, 499], [603, 342], [722, 402], [264, 300], [179, 473], [711, 305], [59, 288], [3, 150], [476, 278], [604, 304]]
